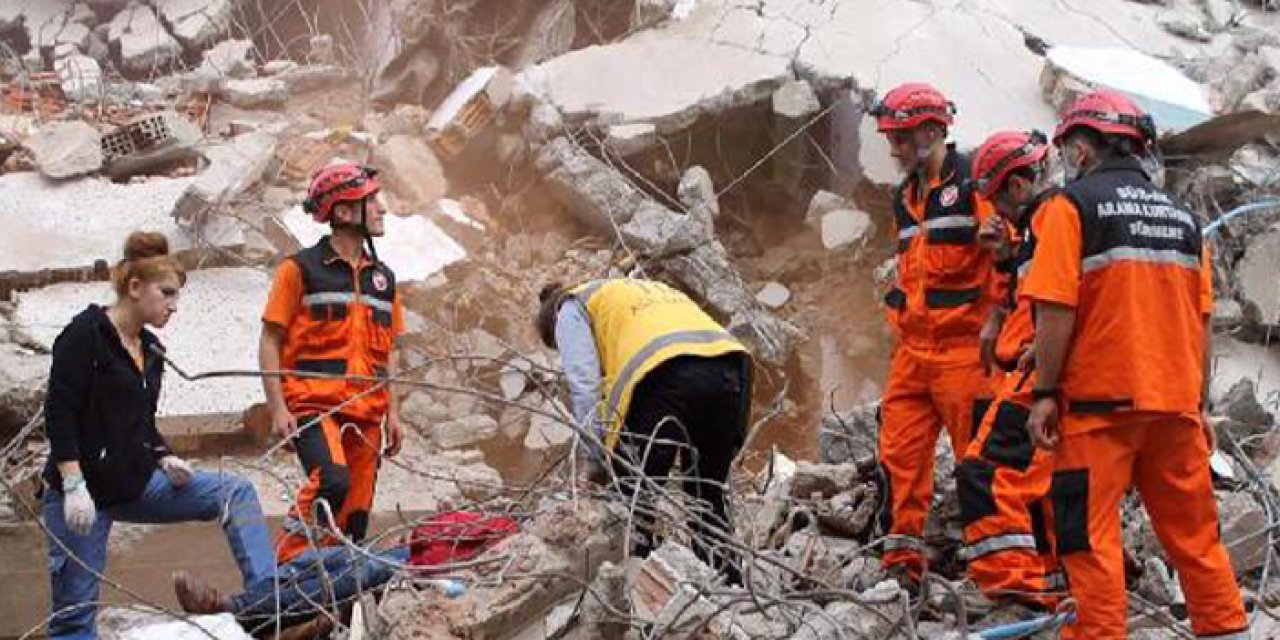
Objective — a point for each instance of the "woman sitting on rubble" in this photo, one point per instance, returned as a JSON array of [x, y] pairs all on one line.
[[107, 461]]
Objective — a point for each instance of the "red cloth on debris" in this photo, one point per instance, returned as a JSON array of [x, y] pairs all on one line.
[[457, 536]]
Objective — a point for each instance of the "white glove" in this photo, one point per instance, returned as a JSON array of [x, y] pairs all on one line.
[[178, 470], [78, 509]]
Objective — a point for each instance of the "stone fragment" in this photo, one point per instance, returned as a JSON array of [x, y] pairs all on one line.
[[774, 295], [464, 432], [66, 149], [81, 78], [411, 169], [256, 93], [846, 228]]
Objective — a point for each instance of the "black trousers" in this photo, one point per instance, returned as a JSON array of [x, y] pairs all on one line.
[[694, 410]]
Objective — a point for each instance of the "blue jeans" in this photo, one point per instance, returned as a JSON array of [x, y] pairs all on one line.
[[317, 579], [225, 497]]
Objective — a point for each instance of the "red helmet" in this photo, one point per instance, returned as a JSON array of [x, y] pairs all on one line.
[[1107, 111], [1002, 153], [343, 182], [910, 105]]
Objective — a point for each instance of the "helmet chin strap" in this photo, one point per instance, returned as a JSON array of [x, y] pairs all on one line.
[[362, 227]]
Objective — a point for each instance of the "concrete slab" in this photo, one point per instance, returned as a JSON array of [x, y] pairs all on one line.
[[651, 78], [51, 225], [216, 328], [414, 247]]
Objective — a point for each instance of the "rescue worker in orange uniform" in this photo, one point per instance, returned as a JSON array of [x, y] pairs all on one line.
[[1123, 294], [1003, 480], [333, 311], [946, 287]]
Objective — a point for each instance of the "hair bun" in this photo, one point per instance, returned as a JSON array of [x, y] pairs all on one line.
[[145, 244], [549, 291]]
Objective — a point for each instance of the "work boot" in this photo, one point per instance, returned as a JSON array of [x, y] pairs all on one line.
[[197, 597]]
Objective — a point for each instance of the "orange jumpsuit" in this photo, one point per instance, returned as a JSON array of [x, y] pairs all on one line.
[[338, 319], [1129, 260], [946, 287], [1003, 480]]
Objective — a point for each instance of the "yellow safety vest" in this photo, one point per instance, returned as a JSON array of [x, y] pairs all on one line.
[[638, 325]]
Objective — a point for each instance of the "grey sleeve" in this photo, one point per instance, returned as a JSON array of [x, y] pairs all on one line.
[[581, 362]]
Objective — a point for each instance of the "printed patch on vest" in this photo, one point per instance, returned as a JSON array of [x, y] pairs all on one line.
[[949, 196], [380, 281]]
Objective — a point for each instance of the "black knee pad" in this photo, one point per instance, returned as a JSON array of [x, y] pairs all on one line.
[[357, 525], [335, 482], [974, 479]]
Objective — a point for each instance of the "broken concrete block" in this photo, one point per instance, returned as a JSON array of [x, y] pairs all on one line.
[[312, 78], [1242, 520], [476, 481], [660, 577], [411, 169], [233, 167], [256, 93], [850, 436], [81, 78], [548, 433], [320, 50], [822, 203], [469, 109], [698, 76], [1174, 100], [1256, 165], [1256, 278], [66, 149], [608, 593], [1241, 406], [657, 232], [419, 409], [277, 67], [853, 620], [231, 59], [145, 45], [550, 34], [592, 191], [850, 513], [23, 373], [1219, 13], [846, 228], [630, 139], [1185, 25], [774, 295], [826, 479], [464, 432], [405, 78], [697, 190], [1227, 314], [197, 23]]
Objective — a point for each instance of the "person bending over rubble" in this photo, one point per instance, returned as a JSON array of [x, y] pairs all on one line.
[[333, 311], [107, 461], [653, 377], [1123, 294]]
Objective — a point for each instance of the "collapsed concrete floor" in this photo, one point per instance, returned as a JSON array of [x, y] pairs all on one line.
[[718, 145]]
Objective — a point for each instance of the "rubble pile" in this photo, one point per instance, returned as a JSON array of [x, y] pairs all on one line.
[[721, 146]]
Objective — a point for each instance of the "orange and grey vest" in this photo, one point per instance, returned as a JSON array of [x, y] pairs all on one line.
[[1139, 332], [344, 328], [944, 277]]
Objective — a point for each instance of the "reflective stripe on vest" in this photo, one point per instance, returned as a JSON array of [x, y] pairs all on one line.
[[1135, 254], [336, 297], [898, 542], [998, 543], [633, 365]]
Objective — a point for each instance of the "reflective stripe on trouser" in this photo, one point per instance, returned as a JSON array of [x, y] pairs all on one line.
[[927, 390], [1167, 459], [1002, 484], [341, 461]]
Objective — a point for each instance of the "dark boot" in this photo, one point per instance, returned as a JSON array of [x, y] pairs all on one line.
[[197, 597]]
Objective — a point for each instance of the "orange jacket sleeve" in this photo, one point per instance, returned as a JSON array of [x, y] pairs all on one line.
[[1055, 271], [285, 298]]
